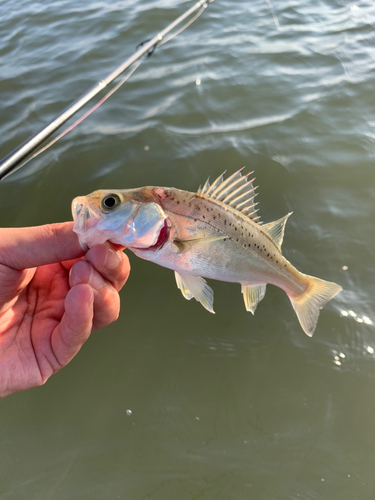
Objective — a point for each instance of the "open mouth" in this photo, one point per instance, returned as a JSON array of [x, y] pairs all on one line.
[[85, 224], [83, 217], [80, 215]]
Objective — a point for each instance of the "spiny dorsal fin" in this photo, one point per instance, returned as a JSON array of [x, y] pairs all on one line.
[[275, 230], [236, 191]]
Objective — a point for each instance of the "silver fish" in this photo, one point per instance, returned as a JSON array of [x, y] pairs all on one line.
[[215, 233]]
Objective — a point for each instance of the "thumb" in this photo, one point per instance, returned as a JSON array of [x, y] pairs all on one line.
[[28, 247]]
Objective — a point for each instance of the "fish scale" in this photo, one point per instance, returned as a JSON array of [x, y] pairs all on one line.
[[237, 230], [231, 223]]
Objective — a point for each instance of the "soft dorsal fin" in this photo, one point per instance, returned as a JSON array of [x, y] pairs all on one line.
[[275, 230], [236, 191]]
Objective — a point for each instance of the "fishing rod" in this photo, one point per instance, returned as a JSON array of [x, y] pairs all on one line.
[[12, 161]]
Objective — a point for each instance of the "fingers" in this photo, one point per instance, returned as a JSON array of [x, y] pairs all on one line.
[[28, 247], [76, 324], [112, 264], [93, 301], [106, 298], [23, 249]]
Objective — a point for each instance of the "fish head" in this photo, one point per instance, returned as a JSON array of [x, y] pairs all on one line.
[[123, 217]]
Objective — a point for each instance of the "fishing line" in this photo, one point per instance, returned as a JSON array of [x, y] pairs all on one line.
[[184, 27], [144, 50]]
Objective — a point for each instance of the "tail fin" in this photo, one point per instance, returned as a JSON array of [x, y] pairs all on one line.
[[308, 305]]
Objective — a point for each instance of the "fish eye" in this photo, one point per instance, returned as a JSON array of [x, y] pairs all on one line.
[[110, 202]]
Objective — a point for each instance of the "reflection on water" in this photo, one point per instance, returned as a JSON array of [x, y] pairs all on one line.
[[172, 402]]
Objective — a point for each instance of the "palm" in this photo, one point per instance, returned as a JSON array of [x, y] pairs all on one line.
[[27, 328]]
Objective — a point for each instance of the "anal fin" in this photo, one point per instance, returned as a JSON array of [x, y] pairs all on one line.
[[252, 295], [196, 286]]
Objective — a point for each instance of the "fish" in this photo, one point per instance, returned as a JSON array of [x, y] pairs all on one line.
[[215, 233]]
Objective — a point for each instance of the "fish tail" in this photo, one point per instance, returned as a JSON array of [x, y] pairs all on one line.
[[308, 304]]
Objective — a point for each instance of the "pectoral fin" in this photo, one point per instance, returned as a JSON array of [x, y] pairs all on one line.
[[252, 295], [181, 246], [196, 286]]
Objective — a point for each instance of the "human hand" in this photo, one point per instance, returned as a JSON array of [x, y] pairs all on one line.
[[51, 298]]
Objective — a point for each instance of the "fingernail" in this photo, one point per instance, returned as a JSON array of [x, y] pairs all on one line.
[[112, 259]]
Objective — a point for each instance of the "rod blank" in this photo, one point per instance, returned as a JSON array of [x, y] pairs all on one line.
[[10, 162]]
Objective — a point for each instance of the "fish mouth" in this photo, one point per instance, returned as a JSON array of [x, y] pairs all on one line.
[[81, 214], [84, 219]]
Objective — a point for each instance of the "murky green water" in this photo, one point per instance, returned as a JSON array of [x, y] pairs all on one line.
[[227, 406]]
